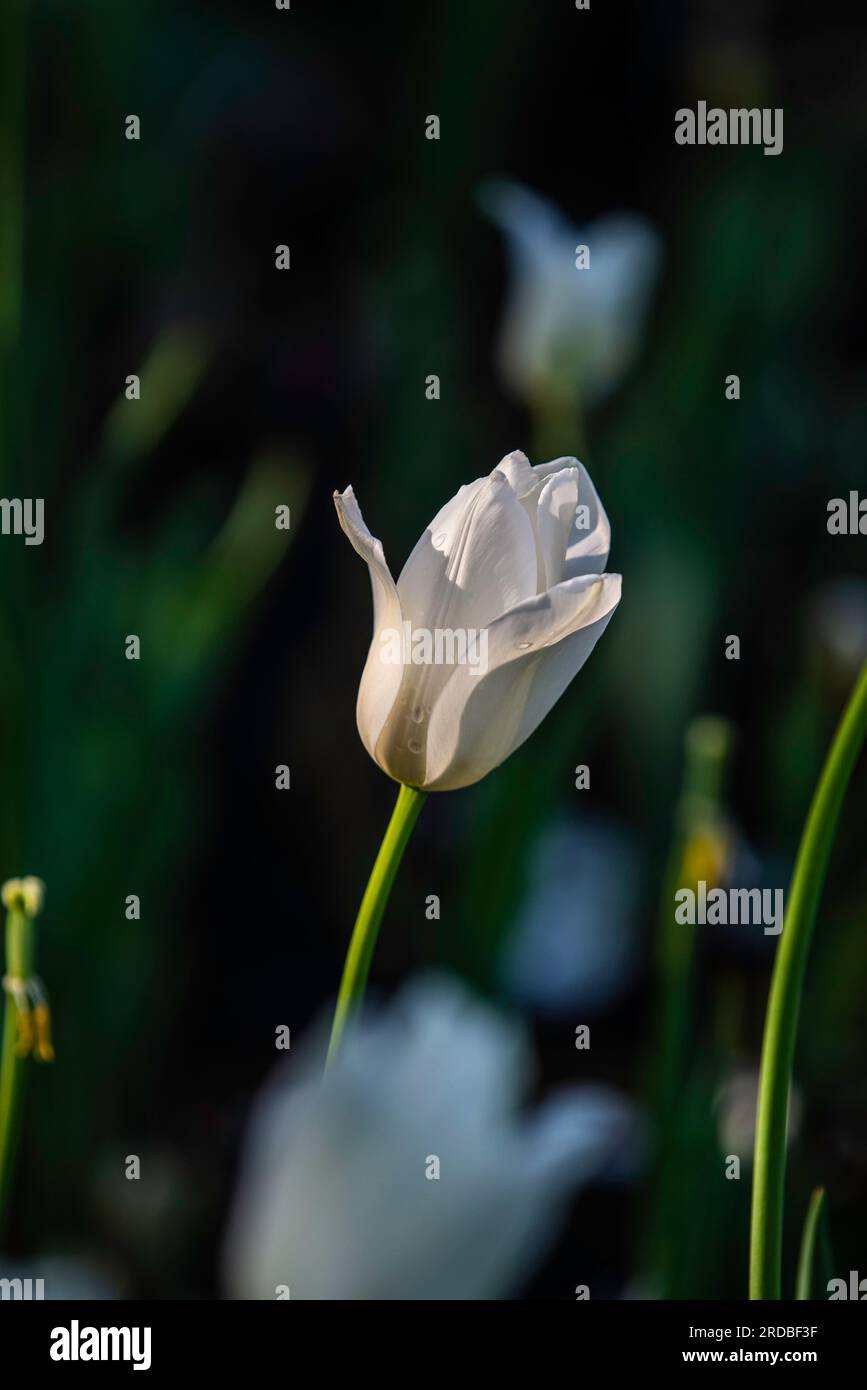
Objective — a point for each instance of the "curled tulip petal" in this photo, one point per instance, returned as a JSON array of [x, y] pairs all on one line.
[[533, 654], [380, 683]]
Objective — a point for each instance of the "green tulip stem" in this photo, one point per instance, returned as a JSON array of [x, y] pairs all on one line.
[[361, 947], [784, 1000]]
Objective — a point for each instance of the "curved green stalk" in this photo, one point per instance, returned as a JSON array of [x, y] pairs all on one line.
[[367, 923], [810, 1245], [784, 1000]]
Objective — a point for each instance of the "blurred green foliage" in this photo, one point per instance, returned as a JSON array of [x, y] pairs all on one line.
[[120, 777]]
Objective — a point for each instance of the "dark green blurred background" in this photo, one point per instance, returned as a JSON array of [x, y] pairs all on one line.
[[258, 388]]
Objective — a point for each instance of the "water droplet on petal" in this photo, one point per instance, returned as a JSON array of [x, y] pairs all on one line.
[[414, 746], [440, 540], [417, 715], [522, 646]]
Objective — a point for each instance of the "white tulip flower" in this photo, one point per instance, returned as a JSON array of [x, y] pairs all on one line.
[[497, 608], [569, 333], [407, 1173]]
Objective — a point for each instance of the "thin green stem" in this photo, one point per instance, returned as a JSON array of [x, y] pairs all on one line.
[[18, 950], [373, 904], [810, 1246], [784, 1000]]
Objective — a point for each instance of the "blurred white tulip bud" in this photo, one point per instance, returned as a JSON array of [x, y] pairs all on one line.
[[334, 1199], [569, 335]]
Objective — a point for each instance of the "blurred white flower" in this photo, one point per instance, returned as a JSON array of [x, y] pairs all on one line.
[[573, 945], [570, 335], [736, 1103], [516, 557], [837, 627], [334, 1199]]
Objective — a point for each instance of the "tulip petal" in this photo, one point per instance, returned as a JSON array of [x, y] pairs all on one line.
[[588, 545], [534, 651], [525, 478], [555, 517], [527, 483], [438, 1038], [575, 1135], [476, 559], [380, 680], [535, 226]]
